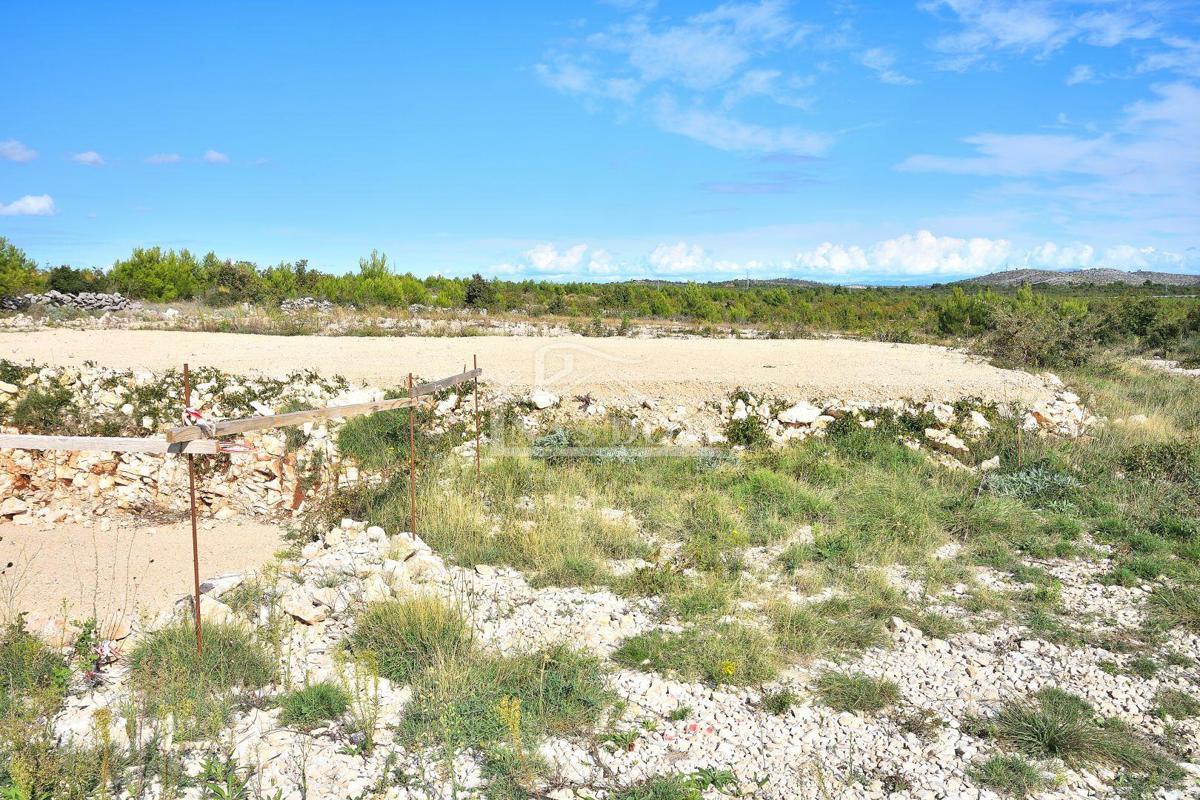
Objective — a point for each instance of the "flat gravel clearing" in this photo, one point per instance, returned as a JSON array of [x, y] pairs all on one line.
[[674, 370]]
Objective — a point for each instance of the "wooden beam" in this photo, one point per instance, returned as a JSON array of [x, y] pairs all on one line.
[[110, 444], [229, 427]]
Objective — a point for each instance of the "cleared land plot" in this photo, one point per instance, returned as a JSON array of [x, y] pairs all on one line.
[[675, 370]]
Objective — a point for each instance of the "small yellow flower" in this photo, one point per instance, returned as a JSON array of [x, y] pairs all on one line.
[[728, 668]]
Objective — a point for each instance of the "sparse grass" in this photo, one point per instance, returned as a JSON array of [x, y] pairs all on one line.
[[404, 637], [677, 787], [314, 704], [1175, 704], [852, 622], [856, 692], [1057, 724], [728, 653], [32, 676], [1172, 606], [1009, 775], [457, 702], [169, 677], [779, 702]]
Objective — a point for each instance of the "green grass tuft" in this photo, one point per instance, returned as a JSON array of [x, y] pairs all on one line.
[[1009, 775], [314, 704], [856, 692], [169, 677], [406, 636], [727, 654]]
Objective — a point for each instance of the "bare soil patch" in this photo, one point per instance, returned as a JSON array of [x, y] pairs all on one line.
[[129, 569]]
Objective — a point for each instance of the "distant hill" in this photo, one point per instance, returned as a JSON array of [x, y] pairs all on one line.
[[741, 283], [1100, 275]]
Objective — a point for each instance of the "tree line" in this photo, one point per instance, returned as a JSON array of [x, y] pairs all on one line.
[[1049, 325]]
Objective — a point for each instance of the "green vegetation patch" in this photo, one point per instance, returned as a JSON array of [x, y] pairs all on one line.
[[405, 637], [728, 653], [200, 690], [856, 692], [313, 705]]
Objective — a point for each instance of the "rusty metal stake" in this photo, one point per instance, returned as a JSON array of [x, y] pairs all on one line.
[[475, 365], [187, 403], [412, 463]]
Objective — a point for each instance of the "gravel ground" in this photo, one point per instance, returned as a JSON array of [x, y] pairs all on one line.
[[671, 370]]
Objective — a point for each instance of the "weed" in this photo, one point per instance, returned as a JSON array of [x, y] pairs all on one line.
[[1176, 606], [680, 713]]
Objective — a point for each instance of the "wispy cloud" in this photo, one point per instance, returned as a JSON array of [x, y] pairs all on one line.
[[1146, 167], [12, 150], [688, 76], [1036, 27], [163, 158], [89, 158], [1080, 73], [883, 61], [726, 133], [214, 157], [31, 205]]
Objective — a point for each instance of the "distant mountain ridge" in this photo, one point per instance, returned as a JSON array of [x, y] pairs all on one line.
[[1097, 275]]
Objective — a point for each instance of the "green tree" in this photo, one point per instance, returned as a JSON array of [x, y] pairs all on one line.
[[480, 293], [18, 272], [153, 275]]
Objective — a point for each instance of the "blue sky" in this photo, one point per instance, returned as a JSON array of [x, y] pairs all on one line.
[[897, 141]]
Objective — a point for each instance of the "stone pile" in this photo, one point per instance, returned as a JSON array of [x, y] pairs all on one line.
[[306, 304], [86, 301]]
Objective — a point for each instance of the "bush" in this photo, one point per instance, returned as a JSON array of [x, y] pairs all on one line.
[[407, 636], [18, 273], [1038, 485], [312, 705], [41, 410], [856, 692], [151, 274], [199, 689]]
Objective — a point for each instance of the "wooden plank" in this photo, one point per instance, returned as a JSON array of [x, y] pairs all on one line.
[[229, 427], [110, 444]]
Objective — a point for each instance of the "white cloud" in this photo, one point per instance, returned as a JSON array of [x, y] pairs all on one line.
[[925, 254], [12, 150], [89, 158], [921, 253], [213, 157], [163, 158], [1080, 73], [1180, 54], [546, 258], [882, 61], [726, 133], [31, 205]]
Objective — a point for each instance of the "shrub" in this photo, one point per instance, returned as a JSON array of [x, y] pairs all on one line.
[[312, 705], [407, 636], [748, 433], [18, 273], [729, 654], [1009, 775], [856, 692], [779, 702], [199, 689], [44, 410]]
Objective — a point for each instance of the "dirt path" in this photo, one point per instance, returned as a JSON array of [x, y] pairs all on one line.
[[127, 570], [674, 370]]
